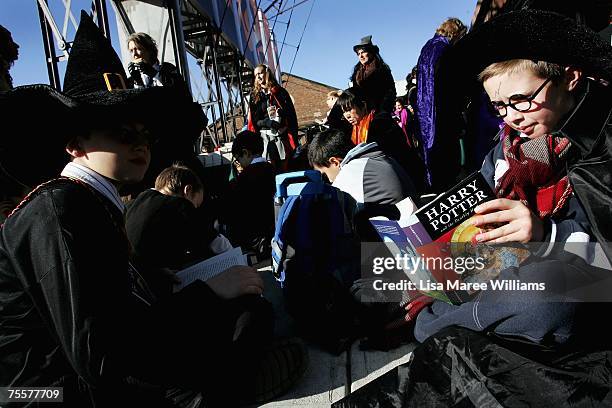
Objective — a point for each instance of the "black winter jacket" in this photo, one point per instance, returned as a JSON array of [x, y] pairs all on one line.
[[68, 315], [379, 89]]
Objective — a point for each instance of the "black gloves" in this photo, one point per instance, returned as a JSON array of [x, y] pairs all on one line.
[[135, 68]]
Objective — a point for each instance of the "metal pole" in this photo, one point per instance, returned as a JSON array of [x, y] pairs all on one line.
[[43, 7], [102, 16], [123, 16], [242, 100], [279, 73], [49, 46], [232, 106], [178, 39], [218, 88], [209, 102]]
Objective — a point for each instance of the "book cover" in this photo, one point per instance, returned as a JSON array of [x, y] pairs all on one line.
[[441, 234], [399, 245], [453, 209]]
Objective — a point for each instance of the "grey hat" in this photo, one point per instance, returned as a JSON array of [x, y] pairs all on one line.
[[366, 42]]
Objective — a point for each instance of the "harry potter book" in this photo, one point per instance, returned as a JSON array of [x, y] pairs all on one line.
[[446, 262]]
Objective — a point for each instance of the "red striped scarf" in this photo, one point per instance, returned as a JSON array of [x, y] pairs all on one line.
[[537, 172]]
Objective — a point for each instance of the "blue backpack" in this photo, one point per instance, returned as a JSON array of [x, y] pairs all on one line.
[[316, 256]]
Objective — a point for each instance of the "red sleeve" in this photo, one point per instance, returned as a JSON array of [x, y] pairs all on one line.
[[251, 127]]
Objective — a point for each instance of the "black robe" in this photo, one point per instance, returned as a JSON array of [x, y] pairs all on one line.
[[384, 131], [69, 317], [589, 127], [166, 232]]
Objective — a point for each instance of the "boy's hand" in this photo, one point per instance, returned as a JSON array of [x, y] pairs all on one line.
[[239, 168], [237, 281], [520, 224]]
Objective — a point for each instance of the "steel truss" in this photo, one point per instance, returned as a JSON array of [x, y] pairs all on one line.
[[56, 42], [224, 72], [224, 76]]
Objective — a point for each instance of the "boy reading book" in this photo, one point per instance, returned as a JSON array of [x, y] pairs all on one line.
[[555, 109], [74, 313], [166, 230], [552, 174]]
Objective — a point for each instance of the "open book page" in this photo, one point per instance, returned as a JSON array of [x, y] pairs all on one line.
[[406, 208], [210, 267]]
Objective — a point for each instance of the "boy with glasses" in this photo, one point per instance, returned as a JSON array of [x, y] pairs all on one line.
[[527, 167], [548, 169]]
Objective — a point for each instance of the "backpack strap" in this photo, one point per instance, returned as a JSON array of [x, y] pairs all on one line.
[[308, 236], [281, 234]]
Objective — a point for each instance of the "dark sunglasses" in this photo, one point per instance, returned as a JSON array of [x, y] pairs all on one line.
[[127, 135]]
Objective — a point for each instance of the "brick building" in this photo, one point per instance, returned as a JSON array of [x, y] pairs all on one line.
[[308, 97]]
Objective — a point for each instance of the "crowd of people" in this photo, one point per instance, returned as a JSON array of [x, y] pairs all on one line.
[[98, 220]]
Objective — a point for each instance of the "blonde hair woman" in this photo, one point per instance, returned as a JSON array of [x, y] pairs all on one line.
[[272, 115]]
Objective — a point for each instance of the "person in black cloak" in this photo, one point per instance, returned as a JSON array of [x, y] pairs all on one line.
[[549, 81], [373, 76], [74, 312]]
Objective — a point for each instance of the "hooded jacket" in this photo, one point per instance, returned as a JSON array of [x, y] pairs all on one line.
[[370, 176]]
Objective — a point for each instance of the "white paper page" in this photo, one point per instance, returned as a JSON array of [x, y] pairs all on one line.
[[211, 267], [406, 208]]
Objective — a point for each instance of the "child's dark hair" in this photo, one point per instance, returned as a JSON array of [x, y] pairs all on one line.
[[249, 141], [327, 144], [176, 177], [352, 98]]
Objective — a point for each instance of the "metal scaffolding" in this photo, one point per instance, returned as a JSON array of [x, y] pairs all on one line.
[[225, 72], [223, 76], [55, 41]]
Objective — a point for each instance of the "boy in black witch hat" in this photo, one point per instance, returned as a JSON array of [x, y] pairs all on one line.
[[74, 313]]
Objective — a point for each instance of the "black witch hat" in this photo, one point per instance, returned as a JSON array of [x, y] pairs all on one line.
[[535, 35], [38, 121]]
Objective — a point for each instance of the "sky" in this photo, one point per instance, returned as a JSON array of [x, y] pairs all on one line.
[[399, 27]]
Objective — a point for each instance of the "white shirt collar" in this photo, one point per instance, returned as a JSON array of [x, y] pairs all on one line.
[[95, 180]]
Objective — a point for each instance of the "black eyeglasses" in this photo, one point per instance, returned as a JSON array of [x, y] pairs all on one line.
[[519, 103]]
